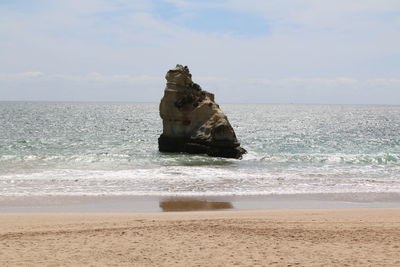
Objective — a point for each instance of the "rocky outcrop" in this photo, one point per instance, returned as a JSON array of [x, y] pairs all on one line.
[[192, 121]]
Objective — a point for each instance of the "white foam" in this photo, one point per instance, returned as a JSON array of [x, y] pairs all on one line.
[[189, 180]]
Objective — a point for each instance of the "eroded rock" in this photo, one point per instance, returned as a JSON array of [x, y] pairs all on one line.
[[192, 121]]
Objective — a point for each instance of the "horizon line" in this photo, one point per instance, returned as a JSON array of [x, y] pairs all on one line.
[[222, 103]]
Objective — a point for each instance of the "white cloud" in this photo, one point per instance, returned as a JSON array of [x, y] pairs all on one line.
[[86, 87], [93, 76], [144, 88], [22, 75], [338, 90]]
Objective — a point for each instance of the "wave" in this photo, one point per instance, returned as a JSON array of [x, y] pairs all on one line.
[[199, 160], [214, 180], [377, 159]]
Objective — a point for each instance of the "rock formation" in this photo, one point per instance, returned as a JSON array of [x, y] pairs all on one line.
[[192, 121]]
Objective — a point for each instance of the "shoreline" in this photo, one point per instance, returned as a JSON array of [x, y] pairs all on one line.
[[151, 204], [280, 237]]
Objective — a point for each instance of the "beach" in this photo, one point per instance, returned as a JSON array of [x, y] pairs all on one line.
[[280, 237], [199, 133]]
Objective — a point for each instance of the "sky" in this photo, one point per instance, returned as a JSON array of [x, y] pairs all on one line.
[[243, 51]]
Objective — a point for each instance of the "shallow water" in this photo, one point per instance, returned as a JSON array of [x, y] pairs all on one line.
[[111, 149]]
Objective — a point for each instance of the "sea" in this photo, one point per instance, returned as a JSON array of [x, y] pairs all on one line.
[[110, 149]]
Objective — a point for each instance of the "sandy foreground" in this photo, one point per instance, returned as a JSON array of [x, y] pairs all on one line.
[[334, 237]]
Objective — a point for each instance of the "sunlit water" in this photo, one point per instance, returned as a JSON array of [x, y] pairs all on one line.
[[111, 149]]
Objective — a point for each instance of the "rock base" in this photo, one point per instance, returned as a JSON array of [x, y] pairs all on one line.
[[196, 146]]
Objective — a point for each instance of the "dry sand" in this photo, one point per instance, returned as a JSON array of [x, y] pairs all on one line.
[[335, 237]]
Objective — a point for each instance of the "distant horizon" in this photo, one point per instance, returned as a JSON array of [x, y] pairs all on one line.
[[221, 103]]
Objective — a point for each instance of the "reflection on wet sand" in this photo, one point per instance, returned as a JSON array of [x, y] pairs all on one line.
[[192, 205]]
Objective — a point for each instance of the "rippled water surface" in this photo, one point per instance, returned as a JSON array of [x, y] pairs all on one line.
[[111, 149]]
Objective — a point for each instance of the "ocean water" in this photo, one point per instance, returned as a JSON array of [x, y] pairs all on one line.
[[111, 149]]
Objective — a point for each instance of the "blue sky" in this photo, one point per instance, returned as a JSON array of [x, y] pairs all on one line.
[[211, 17], [263, 51]]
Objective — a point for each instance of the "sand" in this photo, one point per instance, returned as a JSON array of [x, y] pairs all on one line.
[[315, 237]]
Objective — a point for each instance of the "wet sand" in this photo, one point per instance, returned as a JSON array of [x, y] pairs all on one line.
[[145, 204], [295, 237]]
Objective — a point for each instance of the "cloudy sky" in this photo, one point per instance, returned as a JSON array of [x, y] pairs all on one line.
[[251, 51]]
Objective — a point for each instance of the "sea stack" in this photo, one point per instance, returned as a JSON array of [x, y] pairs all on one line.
[[192, 121]]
